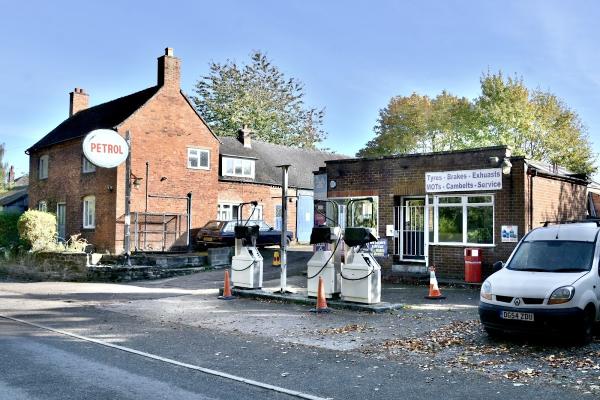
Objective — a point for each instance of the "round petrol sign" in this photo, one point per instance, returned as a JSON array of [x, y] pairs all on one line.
[[105, 148]]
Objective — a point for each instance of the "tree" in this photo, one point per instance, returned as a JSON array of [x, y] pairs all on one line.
[[3, 168], [535, 124], [260, 96], [420, 124]]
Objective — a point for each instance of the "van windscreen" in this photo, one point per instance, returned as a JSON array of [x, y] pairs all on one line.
[[553, 256]]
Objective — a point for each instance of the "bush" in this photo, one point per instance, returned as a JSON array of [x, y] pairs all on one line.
[[9, 234], [38, 230]]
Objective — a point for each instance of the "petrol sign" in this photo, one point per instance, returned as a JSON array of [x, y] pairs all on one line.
[[105, 148]]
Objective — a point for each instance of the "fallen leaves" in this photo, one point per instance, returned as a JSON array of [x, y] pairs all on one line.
[[358, 328]]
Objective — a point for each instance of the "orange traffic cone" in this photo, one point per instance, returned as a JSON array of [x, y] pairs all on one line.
[[276, 259], [321, 300], [434, 290], [227, 288]]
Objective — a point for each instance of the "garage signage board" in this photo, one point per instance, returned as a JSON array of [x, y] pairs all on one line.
[[105, 148], [464, 180]]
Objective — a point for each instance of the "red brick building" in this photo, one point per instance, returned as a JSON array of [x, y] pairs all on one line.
[[173, 152], [429, 207]]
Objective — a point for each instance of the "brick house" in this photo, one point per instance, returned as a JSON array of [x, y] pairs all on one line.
[[173, 152], [429, 207]]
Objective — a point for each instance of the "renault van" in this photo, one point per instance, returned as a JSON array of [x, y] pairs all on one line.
[[549, 285]]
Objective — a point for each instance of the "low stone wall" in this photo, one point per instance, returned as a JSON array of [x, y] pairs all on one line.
[[220, 256], [125, 274], [49, 266]]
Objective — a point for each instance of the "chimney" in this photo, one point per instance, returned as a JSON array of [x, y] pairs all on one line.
[[245, 136], [79, 100], [11, 176], [168, 70]]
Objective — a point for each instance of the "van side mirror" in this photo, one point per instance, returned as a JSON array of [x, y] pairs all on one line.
[[497, 266]]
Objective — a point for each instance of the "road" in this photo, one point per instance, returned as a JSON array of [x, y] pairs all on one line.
[[37, 363]]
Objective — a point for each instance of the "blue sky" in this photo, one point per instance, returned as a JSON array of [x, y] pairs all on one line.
[[352, 56]]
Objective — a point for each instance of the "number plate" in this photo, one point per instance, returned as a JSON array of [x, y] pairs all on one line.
[[520, 316], [207, 239]]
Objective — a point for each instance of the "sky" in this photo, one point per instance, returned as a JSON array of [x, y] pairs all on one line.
[[352, 56]]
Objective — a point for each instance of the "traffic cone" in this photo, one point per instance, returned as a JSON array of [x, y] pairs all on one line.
[[276, 259], [321, 300], [226, 288], [434, 290]]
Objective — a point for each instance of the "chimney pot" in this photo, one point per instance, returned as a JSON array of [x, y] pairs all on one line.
[[169, 52], [245, 136]]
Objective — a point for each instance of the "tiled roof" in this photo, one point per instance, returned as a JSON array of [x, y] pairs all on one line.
[[268, 156], [13, 195], [103, 116]]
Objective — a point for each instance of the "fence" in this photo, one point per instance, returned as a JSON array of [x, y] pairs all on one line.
[[160, 231]]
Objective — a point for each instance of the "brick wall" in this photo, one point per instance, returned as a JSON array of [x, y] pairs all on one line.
[[67, 184]]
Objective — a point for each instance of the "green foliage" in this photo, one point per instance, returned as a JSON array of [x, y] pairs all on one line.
[[535, 124], [258, 95], [38, 230], [3, 167], [9, 234]]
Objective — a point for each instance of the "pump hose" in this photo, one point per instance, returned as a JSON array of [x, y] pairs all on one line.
[[243, 269], [362, 277], [329, 259]]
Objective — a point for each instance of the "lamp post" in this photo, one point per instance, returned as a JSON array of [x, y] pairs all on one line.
[[283, 245], [127, 224]]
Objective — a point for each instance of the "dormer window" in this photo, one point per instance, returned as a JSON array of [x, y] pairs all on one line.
[[239, 167]]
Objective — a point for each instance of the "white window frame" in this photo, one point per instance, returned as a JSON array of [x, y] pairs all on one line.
[[226, 207], [89, 221], [255, 216], [240, 161], [43, 206], [87, 166], [198, 151], [464, 204], [43, 166]]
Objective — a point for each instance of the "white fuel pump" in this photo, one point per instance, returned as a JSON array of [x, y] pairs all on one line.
[[361, 273], [325, 263], [247, 263]]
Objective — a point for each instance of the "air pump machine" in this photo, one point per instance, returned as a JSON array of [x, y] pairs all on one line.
[[247, 263], [361, 274]]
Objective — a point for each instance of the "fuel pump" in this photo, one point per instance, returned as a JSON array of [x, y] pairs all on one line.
[[327, 260], [247, 263], [361, 274]]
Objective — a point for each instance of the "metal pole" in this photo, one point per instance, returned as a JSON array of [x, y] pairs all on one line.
[[127, 226], [284, 200], [189, 222]]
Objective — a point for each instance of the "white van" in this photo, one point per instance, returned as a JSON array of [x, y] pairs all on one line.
[[550, 284]]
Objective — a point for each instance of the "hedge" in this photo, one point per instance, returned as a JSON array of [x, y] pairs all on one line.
[[9, 234]]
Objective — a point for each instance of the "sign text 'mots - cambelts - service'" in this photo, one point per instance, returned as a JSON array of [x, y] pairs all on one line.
[[465, 180]]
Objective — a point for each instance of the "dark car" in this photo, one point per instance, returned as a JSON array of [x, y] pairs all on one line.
[[221, 233]]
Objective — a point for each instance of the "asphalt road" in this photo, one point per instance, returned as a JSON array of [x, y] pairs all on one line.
[[37, 364]]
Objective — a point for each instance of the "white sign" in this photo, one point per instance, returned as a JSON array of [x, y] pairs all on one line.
[[105, 148], [320, 187], [465, 180], [389, 230], [510, 233]]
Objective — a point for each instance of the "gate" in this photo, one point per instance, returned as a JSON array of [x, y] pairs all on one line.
[[409, 229], [160, 231]]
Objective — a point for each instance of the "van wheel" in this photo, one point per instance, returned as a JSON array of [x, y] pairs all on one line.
[[586, 329], [493, 333]]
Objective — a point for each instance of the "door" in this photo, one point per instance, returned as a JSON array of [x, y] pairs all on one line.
[[304, 217], [412, 223], [61, 219]]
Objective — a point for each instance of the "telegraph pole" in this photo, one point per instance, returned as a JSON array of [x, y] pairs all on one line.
[[283, 245], [127, 224]]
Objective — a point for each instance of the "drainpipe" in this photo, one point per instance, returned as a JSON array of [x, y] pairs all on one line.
[[532, 174]]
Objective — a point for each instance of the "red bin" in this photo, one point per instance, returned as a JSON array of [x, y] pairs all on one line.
[[473, 265]]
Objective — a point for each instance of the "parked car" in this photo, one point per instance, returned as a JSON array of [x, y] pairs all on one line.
[[550, 284], [221, 233]]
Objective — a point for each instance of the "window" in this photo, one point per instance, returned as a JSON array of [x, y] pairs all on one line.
[[241, 167], [227, 211], [43, 206], [43, 167], [256, 212], [89, 212], [463, 219], [198, 159], [88, 166]]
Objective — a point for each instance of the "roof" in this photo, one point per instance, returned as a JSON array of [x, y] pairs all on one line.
[[268, 156], [103, 116], [21, 181], [13, 195], [555, 170], [581, 232]]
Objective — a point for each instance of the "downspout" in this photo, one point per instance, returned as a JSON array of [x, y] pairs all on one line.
[[532, 174]]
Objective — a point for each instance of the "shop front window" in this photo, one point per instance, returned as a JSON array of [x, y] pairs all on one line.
[[463, 219]]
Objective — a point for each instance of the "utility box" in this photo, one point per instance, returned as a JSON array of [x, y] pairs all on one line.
[[473, 265]]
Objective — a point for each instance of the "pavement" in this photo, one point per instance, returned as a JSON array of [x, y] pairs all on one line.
[[426, 349]]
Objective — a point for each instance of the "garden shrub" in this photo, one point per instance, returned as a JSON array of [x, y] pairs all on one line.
[[38, 230], [9, 234]]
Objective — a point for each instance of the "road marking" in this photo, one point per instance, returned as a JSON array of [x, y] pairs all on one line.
[[175, 362]]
